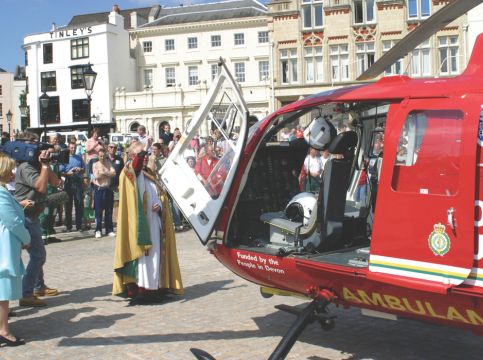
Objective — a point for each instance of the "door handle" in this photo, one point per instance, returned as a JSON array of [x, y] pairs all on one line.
[[451, 219]]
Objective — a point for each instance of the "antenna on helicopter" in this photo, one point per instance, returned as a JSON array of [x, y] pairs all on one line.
[[430, 26]]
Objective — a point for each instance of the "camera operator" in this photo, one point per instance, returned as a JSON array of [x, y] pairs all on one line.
[[32, 180]]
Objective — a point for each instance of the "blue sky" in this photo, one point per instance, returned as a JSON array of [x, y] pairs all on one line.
[[19, 18]]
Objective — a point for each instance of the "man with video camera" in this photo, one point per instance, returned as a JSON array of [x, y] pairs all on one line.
[[31, 181]]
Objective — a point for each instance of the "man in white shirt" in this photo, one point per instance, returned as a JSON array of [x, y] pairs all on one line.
[[144, 138]]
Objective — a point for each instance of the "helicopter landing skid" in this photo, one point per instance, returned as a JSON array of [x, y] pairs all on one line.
[[315, 311]]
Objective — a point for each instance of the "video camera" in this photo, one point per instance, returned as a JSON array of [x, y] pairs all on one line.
[[22, 151]]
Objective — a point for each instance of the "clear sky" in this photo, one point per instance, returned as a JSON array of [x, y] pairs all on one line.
[[19, 18]]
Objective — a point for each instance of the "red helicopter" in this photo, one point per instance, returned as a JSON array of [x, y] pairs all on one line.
[[411, 247]]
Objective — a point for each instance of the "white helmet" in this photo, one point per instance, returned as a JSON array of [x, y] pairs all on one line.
[[320, 133], [300, 207]]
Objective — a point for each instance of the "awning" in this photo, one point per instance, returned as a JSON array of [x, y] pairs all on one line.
[[103, 127]]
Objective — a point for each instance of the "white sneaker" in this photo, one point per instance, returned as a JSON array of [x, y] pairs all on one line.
[[98, 234], [112, 234]]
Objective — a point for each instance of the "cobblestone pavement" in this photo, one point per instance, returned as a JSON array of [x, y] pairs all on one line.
[[219, 313]]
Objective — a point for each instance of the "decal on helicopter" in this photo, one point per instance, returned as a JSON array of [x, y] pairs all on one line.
[[413, 306], [439, 241], [259, 262]]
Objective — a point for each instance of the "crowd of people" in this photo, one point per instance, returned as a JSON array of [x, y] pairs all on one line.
[[40, 197]]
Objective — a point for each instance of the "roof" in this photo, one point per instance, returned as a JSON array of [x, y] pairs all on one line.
[[1, 70], [103, 18], [208, 12]]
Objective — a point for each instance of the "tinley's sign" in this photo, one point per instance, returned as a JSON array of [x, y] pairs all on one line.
[[57, 34]]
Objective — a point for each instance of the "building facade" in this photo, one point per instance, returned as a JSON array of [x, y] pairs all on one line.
[[177, 53], [6, 97], [319, 45], [155, 64], [56, 59]]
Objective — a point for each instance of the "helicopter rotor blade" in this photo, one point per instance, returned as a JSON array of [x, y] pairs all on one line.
[[430, 26]]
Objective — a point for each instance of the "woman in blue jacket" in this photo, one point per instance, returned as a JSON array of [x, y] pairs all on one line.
[[13, 237]]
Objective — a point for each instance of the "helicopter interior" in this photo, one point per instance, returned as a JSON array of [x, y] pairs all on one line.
[[331, 220]]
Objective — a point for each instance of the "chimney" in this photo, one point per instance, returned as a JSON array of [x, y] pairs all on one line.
[[115, 17], [134, 20], [154, 13]]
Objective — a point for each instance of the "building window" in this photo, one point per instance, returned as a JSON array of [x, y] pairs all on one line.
[[263, 70], [148, 77], [239, 39], [215, 40], [364, 11], [169, 44], [52, 113], [48, 53], [312, 14], [76, 79], [365, 56], [80, 110], [48, 81], [288, 66], [147, 46], [314, 64], [79, 48], [339, 62], [215, 70], [396, 68], [1, 90], [421, 60], [448, 55], [192, 43], [192, 75], [418, 8], [240, 72], [1, 110], [170, 76], [262, 37]]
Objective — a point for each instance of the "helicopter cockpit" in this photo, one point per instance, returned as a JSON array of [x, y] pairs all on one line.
[[279, 214]]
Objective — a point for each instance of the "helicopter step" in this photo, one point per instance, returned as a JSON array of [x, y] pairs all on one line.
[[315, 311]]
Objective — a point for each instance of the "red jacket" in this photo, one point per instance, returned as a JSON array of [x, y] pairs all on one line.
[[203, 168]]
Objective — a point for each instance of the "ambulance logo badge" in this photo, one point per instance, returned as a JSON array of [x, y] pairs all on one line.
[[439, 241]]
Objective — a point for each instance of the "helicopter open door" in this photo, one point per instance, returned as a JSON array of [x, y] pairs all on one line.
[[200, 189], [423, 234]]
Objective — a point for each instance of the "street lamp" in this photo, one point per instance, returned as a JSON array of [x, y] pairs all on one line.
[[9, 122], [44, 104], [89, 78], [24, 113]]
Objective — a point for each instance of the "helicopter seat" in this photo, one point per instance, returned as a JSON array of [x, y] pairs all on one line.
[[297, 225], [333, 191]]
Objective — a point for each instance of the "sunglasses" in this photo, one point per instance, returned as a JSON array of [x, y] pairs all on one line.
[[112, 146]]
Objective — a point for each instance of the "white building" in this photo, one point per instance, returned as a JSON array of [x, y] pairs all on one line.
[[55, 61], [6, 97], [177, 52]]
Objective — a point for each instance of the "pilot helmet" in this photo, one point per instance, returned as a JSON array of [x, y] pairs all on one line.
[[300, 207], [320, 133]]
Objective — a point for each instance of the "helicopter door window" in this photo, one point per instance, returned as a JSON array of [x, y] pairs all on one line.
[[428, 153], [215, 159]]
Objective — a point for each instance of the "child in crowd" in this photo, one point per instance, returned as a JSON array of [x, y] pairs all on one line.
[[88, 215]]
